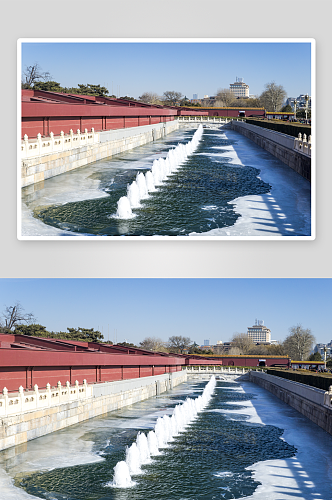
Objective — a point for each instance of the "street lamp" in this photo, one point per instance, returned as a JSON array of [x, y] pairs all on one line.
[[325, 351], [306, 107]]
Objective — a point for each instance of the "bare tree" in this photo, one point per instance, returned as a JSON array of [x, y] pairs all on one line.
[[206, 102], [218, 103], [298, 343], [225, 96], [150, 98], [259, 349], [273, 96], [33, 74], [242, 342], [171, 97], [179, 343], [277, 350], [14, 315], [234, 351], [152, 344]]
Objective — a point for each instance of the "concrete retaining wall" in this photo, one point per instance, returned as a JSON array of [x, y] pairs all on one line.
[[108, 396], [111, 142], [307, 400], [279, 145]]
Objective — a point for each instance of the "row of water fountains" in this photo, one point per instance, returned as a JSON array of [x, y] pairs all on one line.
[[166, 428], [140, 188]]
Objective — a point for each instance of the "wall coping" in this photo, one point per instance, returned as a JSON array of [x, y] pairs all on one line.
[[313, 394], [283, 139], [106, 388]]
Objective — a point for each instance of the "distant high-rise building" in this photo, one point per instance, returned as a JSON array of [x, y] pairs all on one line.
[[239, 88], [300, 102], [320, 348], [206, 342], [259, 332], [195, 96]]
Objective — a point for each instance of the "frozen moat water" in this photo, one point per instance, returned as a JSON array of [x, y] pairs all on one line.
[[245, 444], [228, 187]]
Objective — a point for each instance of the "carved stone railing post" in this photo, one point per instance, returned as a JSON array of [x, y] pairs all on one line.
[[21, 397], [36, 391], [5, 395], [300, 141], [26, 144], [62, 140], [39, 142], [52, 141], [59, 386], [328, 397], [71, 132], [48, 394]]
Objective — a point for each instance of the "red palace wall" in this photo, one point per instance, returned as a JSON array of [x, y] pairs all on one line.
[[26, 361], [231, 112], [252, 361], [45, 112]]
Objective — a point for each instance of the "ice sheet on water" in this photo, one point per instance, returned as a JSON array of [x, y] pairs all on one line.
[[9, 491], [300, 476], [58, 450], [223, 147], [285, 211], [210, 207], [224, 474]]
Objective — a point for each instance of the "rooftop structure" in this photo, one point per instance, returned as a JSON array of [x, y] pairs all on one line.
[[239, 88], [259, 332]]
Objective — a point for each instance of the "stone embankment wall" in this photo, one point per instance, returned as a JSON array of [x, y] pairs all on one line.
[[279, 145], [104, 397], [315, 404], [111, 142]]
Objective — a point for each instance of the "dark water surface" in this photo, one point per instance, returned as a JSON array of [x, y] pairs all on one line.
[[194, 199], [206, 462]]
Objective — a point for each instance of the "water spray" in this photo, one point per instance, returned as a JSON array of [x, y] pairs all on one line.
[[166, 428], [162, 168]]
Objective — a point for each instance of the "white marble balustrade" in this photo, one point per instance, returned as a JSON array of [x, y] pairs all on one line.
[[40, 146], [24, 400], [302, 144]]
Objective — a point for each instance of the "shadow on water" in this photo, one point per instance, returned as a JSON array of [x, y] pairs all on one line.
[[290, 190], [306, 475]]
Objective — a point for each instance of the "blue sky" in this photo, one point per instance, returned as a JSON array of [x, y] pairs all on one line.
[[201, 309], [190, 68]]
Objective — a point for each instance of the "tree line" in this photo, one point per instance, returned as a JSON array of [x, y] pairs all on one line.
[[297, 345], [272, 98], [34, 78]]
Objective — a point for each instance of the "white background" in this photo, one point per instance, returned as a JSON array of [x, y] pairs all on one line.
[[180, 19]]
